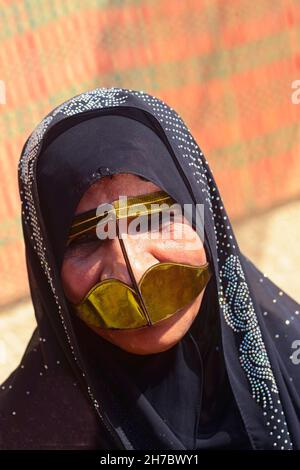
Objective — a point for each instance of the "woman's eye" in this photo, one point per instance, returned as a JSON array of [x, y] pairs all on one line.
[[84, 239], [160, 222], [157, 222], [166, 220]]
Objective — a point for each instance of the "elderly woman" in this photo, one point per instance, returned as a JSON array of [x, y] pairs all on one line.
[[154, 331]]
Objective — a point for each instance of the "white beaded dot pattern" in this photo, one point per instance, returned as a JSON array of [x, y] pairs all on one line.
[[234, 296]]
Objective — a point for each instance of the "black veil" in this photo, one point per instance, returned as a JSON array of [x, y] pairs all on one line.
[[73, 389]]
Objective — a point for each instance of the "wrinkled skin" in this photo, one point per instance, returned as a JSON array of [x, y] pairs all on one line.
[[87, 264]]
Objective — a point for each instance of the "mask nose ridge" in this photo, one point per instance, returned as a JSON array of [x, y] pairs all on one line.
[[139, 257]]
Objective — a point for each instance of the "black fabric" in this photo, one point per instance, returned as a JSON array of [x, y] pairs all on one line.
[[178, 399], [70, 164], [229, 383]]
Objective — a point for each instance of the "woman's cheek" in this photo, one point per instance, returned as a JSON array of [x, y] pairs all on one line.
[[77, 278]]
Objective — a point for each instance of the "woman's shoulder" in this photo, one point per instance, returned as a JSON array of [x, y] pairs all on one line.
[[46, 409]]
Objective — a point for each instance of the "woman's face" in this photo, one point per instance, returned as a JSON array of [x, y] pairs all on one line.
[[86, 264]]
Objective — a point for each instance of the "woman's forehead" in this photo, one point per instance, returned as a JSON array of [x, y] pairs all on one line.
[[110, 188]]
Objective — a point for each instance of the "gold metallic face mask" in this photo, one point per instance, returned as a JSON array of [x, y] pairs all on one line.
[[163, 290]]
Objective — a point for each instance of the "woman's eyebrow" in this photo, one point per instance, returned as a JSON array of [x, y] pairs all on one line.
[[154, 197]]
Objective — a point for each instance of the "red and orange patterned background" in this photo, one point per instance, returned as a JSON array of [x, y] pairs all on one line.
[[226, 66]]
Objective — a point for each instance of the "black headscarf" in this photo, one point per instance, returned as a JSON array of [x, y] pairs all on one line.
[[230, 381]]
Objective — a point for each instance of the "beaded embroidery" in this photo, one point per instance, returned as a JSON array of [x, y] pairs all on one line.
[[234, 296]]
